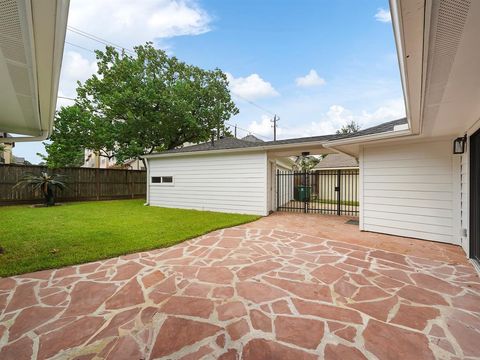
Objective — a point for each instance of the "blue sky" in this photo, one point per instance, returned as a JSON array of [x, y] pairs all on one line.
[[316, 63]]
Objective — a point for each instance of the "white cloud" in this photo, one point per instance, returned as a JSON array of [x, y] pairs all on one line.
[[125, 23], [311, 79], [251, 87], [329, 122], [263, 127], [383, 15], [130, 22], [75, 68]]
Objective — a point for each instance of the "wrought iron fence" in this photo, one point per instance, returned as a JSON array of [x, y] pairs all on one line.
[[322, 191]]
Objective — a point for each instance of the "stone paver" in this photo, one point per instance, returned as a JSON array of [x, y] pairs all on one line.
[[285, 287]]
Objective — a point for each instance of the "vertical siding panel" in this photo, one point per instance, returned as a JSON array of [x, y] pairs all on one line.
[[420, 177]]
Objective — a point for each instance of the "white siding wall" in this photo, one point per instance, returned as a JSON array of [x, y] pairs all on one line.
[[408, 190], [228, 182]]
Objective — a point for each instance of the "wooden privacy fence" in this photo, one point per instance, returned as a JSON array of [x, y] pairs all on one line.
[[83, 184]]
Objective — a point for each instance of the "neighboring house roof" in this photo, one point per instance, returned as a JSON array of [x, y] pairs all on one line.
[[382, 128], [220, 144], [334, 161], [18, 160], [4, 136], [233, 143], [229, 143], [252, 139]]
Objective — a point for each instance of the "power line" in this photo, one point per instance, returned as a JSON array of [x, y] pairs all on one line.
[[254, 104], [106, 42], [66, 98], [98, 39], [80, 47], [247, 131]]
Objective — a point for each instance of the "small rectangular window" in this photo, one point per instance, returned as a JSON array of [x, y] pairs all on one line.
[[156, 179], [167, 180]]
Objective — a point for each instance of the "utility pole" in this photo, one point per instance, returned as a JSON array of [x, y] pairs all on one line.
[[274, 121], [235, 131]]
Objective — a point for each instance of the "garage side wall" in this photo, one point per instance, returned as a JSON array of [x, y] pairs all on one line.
[[234, 183], [410, 190]]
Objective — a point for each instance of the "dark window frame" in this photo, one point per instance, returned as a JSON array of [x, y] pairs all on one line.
[[162, 180], [156, 180]]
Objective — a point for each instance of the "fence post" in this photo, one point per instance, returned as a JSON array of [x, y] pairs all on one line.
[[338, 190], [305, 199], [97, 180], [129, 180], [278, 189]]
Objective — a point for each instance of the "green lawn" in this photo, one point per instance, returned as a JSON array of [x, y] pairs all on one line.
[[43, 238], [342, 202]]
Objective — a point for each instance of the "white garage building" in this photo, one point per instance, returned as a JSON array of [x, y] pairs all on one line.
[[419, 176]]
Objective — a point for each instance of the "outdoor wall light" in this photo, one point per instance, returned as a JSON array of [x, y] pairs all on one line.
[[459, 145]]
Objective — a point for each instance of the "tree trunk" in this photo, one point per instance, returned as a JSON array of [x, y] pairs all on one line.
[[49, 197]]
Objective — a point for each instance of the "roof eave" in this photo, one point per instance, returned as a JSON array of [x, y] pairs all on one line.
[[409, 20], [44, 24], [245, 149], [368, 138]]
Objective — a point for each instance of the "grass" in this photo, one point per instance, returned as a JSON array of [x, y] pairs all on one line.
[[45, 238], [342, 202]]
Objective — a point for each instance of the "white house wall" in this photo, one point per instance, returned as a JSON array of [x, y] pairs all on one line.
[[409, 190], [234, 183]]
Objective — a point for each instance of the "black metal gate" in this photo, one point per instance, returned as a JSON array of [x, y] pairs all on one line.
[[322, 191]]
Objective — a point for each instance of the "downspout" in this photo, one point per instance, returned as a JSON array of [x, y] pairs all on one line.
[[147, 166]]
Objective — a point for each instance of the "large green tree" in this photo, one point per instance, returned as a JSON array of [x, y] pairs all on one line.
[[155, 102], [137, 104]]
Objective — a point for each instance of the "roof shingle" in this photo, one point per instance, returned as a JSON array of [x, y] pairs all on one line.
[[227, 143]]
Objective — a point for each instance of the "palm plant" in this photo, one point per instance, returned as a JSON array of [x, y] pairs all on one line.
[[45, 183]]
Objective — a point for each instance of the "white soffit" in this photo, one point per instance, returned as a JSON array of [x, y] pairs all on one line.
[[408, 19], [18, 98], [452, 96], [32, 35]]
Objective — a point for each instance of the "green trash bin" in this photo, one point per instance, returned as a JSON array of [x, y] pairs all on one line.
[[302, 193]]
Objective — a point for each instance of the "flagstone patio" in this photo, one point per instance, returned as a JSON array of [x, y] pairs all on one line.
[[288, 286]]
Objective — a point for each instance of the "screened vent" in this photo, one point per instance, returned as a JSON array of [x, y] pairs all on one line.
[[9, 19], [11, 34], [20, 79], [452, 15], [447, 27]]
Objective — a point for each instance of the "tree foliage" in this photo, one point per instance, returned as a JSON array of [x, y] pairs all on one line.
[[306, 162], [148, 102], [66, 146], [350, 128]]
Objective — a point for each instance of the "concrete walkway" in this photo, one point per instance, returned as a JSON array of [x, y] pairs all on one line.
[[289, 286]]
